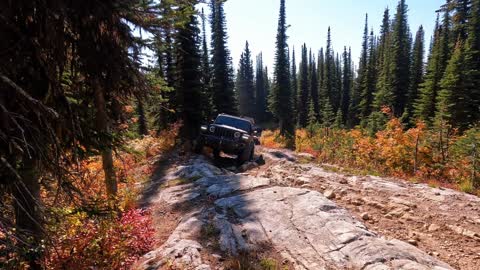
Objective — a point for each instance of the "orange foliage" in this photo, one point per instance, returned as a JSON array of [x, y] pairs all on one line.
[[83, 221], [418, 152], [272, 139]]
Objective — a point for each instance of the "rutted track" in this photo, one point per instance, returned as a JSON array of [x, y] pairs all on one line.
[[312, 218]]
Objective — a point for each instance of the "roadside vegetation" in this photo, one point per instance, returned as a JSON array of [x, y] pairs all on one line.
[[439, 157]]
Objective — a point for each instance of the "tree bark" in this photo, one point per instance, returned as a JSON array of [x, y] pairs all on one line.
[[106, 152], [28, 218]]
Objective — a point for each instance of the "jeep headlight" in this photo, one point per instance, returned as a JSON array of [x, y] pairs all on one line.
[[204, 128], [212, 129], [237, 135], [245, 137]]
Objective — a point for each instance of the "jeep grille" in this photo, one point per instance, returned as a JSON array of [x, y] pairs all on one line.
[[223, 132]]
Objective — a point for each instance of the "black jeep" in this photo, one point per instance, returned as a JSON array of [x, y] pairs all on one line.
[[231, 135]]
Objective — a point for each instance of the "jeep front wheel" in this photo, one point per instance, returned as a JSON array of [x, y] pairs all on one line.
[[246, 154]]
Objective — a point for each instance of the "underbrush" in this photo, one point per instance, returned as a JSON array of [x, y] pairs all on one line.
[[438, 156], [84, 229]]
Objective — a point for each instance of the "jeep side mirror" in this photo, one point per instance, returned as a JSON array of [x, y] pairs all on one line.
[[257, 131]]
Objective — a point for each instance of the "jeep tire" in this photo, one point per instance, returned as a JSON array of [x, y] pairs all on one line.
[[246, 155]]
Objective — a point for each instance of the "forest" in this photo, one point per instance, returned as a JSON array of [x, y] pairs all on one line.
[[80, 112]]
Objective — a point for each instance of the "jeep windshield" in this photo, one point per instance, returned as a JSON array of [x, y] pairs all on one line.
[[234, 122]]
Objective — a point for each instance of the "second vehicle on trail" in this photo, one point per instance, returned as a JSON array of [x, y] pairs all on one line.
[[231, 135]]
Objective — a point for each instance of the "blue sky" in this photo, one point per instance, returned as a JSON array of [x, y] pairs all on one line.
[[256, 21]]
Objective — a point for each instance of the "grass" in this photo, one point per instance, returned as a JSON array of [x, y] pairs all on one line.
[[180, 181], [268, 264], [209, 231], [251, 261], [466, 187]]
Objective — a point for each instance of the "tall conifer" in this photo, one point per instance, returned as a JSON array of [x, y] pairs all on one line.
[[281, 97], [222, 71]]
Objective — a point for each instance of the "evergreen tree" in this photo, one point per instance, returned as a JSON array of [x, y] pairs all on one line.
[[313, 86], [165, 53], [453, 99], [281, 97], [321, 72], [400, 62], [424, 106], [294, 86], [361, 87], [472, 60], [338, 83], [446, 40], [384, 95], [383, 45], [260, 90], [416, 73], [303, 89], [327, 114], [346, 85], [222, 72], [245, 84], [188, 79], [206, 72], [462, 9], [329, 81], [368, 84]]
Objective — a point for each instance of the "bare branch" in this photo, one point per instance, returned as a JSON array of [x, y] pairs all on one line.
[[27, 97]]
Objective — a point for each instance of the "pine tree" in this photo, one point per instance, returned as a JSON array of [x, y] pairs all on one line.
[[206, 72], [338, 83], [339, 120], [313, 86], [424, 106], [400, 65], [327, 114], [472, 61], [188, 79], [321, 72], [329, 80], [361, 87], [369, 82], [383, 44], [346, 85], [453, 99], [245, 84], [446, 40], [294, 86], [268, 86], [416, 73], [260, 90], [303, 89], [384, 96], [281, 97], [462, 9], [166, 66], [222, 72]]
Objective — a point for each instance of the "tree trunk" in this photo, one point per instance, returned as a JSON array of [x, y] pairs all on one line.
[[107, 153], [28, 218], [415, 161], [474, 166]]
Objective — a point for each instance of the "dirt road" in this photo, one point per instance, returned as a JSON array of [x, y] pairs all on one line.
[[305, 217]]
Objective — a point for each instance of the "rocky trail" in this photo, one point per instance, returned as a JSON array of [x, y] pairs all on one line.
[[300, 215]]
